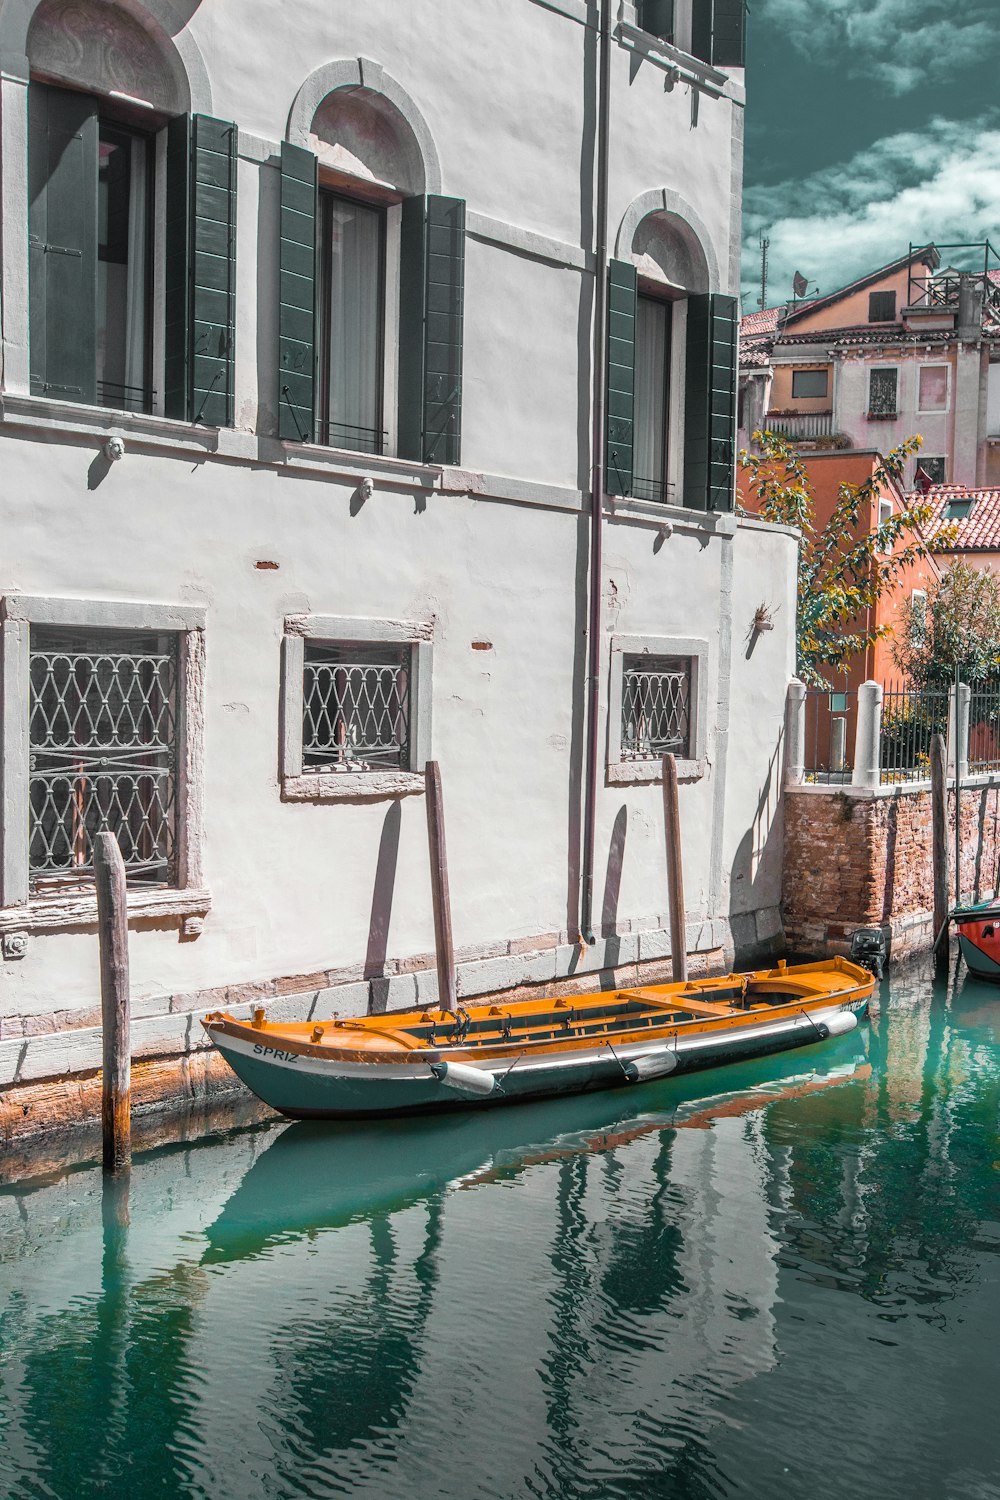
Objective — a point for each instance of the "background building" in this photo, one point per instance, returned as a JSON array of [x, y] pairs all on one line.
[[913, 347], [297, 433]]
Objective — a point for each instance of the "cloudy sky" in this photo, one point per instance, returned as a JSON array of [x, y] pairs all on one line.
[[870, 123]]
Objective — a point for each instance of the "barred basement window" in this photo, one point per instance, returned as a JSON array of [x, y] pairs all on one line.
[[656, 707], [355, 707], [103, 745]]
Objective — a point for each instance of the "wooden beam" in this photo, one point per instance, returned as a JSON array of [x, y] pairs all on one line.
[[939, 824], [112, 931], [444, 943], [675, 869]]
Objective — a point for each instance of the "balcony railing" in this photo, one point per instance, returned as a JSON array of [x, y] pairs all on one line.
[[800, 427]]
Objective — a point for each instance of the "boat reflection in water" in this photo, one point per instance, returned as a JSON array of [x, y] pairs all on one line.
[[316, 1176], [657, 1229]]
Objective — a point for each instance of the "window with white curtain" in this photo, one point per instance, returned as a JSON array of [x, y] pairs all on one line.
[[350, 313], [124, 209], [652, 363]]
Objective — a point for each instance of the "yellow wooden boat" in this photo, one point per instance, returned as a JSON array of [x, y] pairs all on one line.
[[418, 1060]]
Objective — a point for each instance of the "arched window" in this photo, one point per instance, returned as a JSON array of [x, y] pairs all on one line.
[[372, 285], [671, 371], [121, 313]]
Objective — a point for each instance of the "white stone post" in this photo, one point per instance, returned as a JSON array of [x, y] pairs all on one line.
[[795, 733], [958, 729], [869, 734]]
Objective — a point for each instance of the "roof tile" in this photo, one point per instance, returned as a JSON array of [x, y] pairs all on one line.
[[980, 532]]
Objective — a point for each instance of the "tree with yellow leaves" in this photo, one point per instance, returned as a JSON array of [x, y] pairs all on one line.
[[843, 568]]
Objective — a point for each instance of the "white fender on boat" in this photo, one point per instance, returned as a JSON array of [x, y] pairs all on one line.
[[656, 1065], [837, 1023], [463, 1078]]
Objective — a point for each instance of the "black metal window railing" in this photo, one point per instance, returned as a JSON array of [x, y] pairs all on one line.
[[355, 707], [649, 489], [103, 753], [656, 707], [120, 397]]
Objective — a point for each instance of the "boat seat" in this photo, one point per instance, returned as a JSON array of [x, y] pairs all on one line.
[[680, 1002]]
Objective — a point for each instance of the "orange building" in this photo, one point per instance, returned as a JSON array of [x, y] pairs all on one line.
[[975, 515], [827, 471]]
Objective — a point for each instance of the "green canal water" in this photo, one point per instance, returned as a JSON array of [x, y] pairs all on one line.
[[777, 1280]]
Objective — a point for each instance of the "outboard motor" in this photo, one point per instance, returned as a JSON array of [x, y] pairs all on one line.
[[868, 949]]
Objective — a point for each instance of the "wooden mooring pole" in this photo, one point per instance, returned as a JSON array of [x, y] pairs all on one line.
[[939, 825], [444, 943], [112, 930], [675, 869]]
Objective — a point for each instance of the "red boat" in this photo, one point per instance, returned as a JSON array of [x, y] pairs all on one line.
[[979, 938]]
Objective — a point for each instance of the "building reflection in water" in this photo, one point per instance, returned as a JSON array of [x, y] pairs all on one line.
[[558, 1299]]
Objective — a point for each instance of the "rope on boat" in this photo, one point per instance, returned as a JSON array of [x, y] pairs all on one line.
[[501, 1079], [630, 1076]]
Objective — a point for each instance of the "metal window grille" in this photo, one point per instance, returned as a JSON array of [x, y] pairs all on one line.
[[103, 746], [355, 707], [882, 393], [656, 707]]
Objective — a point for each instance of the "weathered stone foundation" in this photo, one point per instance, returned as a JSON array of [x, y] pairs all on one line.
[[858, 857]]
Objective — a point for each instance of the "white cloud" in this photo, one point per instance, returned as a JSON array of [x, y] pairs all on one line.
[[901, 44], [941, 184]]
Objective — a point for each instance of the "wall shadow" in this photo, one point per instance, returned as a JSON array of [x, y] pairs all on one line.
[[612, 892], [381, 912]]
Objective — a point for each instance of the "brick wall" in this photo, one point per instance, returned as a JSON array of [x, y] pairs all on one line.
[[865, 860]]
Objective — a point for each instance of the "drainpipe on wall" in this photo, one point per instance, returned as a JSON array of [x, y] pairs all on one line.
[[595, 621]]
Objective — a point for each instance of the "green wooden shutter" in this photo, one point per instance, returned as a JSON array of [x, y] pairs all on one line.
[[412, 293], [177, 280], [718, 32], [213, 270], [710, 402], [657, 17], [297, 295], [432, 309], [62, 237], [729, 33], [701, 29], [443, 330], [620, 395], [200, 271]]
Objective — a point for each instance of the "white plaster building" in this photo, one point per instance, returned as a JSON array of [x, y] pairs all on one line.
[[297, 428]]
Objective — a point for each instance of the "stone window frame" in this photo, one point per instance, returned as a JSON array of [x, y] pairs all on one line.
[[300, 785], [188, 899], [934, 410], [633, 772]]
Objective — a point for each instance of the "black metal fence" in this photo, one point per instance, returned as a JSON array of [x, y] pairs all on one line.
[[910, 718], [830, 733], [984, 728]]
